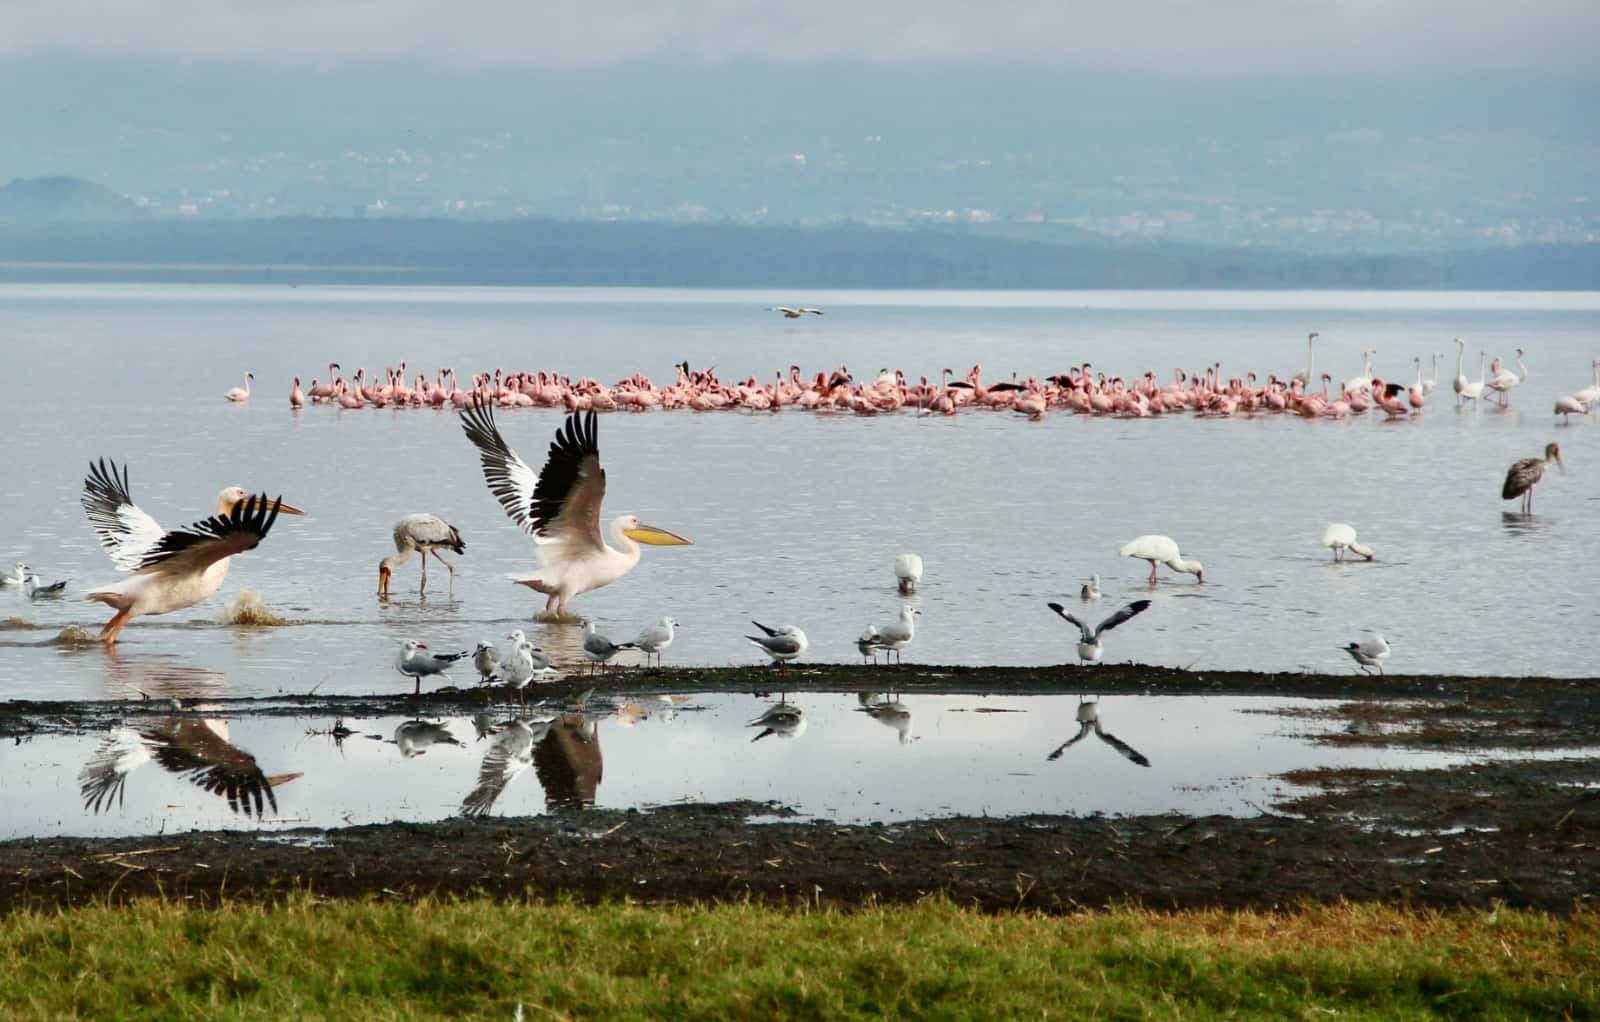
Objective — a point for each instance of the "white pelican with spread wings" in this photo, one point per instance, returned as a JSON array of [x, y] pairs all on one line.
[[560, 508], [171, 570]]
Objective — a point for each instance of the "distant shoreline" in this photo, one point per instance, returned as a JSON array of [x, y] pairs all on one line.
[[650, 254]]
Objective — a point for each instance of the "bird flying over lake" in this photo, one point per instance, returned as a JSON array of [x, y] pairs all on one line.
[[560, 508], [420, 533], [170, 570], [789, 313], [1090, 648]]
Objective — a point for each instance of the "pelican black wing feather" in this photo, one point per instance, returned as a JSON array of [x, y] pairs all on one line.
[[243, 528], [577, 439], [213, 765]]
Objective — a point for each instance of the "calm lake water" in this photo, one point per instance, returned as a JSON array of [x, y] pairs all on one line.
[[797, 517], [914, 758]]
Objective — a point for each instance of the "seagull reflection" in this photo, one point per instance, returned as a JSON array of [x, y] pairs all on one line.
[[1089, 720], [888, 711], [783, 719], [568, 762], [196, 750], [415, 736], [510, 753]]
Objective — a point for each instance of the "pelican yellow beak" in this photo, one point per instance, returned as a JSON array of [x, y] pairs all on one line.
[[649, 535], [283, 508]]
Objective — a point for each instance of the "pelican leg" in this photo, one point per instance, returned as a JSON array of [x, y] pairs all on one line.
[[550, 604]]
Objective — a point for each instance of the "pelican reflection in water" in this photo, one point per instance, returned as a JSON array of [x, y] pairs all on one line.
[[1089, 720], [567, 762], [194, 749]]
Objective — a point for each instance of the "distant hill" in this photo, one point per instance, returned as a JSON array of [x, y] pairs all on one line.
[[555, 252], [40, 200]]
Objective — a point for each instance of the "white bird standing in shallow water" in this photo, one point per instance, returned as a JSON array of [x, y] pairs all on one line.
[[171, 570], [908, 572], [1090, 647], [1162, 550], [1369, 653], [425, 533], [1091, 589], [1523, 476], [1568, 406], [241, 393], [416, 661], [782, 644], [560, 508], [1340, 537]]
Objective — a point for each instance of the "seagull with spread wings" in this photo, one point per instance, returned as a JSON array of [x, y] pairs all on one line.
[[170, 570], [1090, 648], [560, 508]]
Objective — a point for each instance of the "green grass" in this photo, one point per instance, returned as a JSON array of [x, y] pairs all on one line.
[[481, 959]]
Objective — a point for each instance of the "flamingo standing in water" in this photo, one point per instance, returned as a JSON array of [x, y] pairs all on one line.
[[241, 393], [296, 399], [1504, 380]]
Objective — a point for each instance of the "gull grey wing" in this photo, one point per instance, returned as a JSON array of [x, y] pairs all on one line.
[[1133, 609], [1088, 636], [1121, 746], [125, 531], [779, 643], [1083, 732]]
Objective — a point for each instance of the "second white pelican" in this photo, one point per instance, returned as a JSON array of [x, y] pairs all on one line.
[[171, 570], [560, 508]]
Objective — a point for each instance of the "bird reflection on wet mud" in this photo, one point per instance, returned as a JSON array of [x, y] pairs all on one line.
[[510, 754], [782, 718], [889, 711], [196, 750], [1089, 720], [414, 737]]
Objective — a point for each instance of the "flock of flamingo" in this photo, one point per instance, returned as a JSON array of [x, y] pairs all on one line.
[[1079, 389]]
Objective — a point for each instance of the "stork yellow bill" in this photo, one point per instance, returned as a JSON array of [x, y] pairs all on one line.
[[169, 570], [560, 508]]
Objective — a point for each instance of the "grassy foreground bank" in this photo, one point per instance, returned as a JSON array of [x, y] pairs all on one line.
[[481, 959]]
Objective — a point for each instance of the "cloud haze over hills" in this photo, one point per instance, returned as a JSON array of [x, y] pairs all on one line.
[[1353, 125], [1227, 36]]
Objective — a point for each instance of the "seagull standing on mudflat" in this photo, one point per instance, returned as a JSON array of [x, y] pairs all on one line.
[[892, 638], [416, 661], [1369, 653], [782, 644]]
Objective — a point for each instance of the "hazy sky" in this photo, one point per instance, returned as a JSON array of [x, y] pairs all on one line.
[[1318, 36]]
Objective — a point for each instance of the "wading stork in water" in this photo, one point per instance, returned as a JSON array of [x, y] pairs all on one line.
[[170, 570], [560, 508], [422, 533], [1522, 477]]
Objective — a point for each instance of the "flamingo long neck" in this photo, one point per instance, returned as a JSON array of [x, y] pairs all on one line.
[[1461, 354], [1523, 369]]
